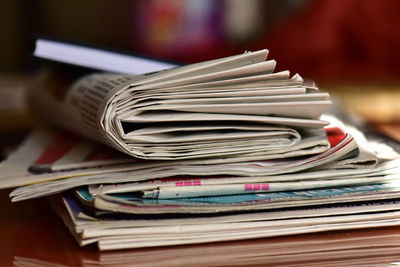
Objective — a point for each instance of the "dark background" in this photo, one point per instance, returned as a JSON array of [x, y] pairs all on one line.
[[327, 40]]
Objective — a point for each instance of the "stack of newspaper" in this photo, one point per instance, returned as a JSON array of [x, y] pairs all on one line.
[[372, 247], [214, 151]]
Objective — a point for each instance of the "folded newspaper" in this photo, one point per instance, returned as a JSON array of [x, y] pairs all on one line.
[[215, 151], [235, 106]]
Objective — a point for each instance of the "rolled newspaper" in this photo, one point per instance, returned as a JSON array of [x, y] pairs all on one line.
[[230, 107]]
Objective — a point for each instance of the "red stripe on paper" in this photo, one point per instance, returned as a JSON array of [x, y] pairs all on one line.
[[256, 187], [60, 145], [335, 135]]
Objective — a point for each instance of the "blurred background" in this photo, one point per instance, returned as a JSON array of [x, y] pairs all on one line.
[[349, 47]]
